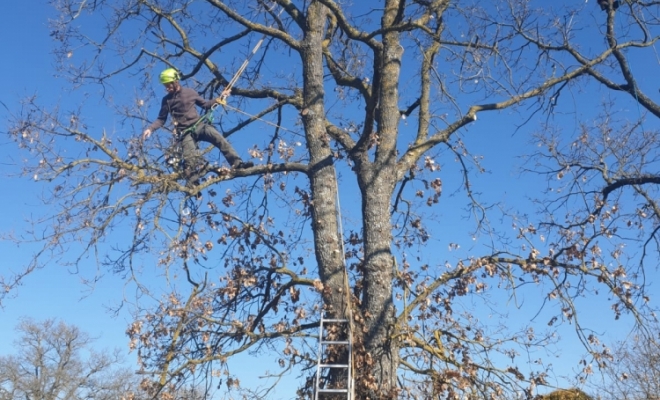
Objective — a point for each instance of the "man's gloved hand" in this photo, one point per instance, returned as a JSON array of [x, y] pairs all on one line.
[[145, 135]]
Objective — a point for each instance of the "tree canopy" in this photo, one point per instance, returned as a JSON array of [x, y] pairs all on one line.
[[370, 198]]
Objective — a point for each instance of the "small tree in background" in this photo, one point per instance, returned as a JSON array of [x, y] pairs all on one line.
[[56, 361], [634, 373]]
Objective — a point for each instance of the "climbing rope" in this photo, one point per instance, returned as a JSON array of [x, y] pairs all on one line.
[[238, 73], [222, 100], [256, 118], [243, 66]]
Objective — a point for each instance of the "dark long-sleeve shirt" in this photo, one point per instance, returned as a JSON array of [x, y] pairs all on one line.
[[181, 106]]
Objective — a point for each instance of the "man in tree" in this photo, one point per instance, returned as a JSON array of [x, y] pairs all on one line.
[[190, 128]]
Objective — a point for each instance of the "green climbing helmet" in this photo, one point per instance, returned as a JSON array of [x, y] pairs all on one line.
[[169, 75]]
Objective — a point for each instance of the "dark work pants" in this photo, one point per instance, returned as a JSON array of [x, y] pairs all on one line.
[[206, 133], [192, 159]]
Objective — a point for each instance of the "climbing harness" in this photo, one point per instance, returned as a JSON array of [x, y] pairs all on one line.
[[207, 117]]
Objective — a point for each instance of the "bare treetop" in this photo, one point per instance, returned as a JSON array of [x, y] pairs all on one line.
[[377, 103]]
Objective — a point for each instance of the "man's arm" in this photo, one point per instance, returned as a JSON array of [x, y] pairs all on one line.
[[159, 122], [206, 104]]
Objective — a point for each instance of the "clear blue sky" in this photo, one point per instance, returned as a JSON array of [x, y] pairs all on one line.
[[26, 70]]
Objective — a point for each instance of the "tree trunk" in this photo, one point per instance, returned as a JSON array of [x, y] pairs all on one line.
[[322, 174], [323, 183], [377, 181], [377, 307]]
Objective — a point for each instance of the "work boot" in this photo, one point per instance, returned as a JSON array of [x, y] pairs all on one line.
[[192, 184]]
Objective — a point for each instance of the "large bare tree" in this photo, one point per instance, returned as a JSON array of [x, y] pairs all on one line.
[[372, 98]]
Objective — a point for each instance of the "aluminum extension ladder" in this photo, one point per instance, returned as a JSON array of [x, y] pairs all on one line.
[[321, 367]]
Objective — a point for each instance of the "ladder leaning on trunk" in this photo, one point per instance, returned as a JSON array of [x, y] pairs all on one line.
[[329, 327], [336, 340]]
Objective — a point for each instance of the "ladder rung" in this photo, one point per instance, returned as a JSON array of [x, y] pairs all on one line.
[[335, 342], [333, 390], [333, 365], [334, 320]]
